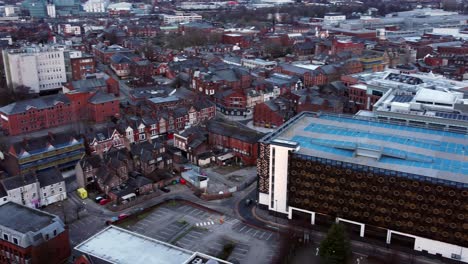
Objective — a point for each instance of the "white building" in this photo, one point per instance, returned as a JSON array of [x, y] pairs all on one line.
[[47, 187], [40, 68], [69, 29], [11, 10], [120, 7], [23, 190], [180, 18], [51, 12], [52, 187], [96, 6], [258, 63], [420, 99], [333, 18]]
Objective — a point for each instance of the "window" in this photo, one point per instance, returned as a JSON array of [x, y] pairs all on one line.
[[55, 232], [15, 241], [45, 194], [5, 237], [47, 237]]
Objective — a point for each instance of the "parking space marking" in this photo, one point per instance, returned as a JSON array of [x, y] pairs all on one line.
[[242, 228], [268, 238]]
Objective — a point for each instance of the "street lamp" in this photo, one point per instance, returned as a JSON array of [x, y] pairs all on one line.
[[276, 216]]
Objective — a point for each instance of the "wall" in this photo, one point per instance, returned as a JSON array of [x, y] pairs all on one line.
[[30, 192], [279, 172], [52, 194], [380, 198]]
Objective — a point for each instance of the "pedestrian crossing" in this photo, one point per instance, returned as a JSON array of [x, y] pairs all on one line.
[[205, 223]]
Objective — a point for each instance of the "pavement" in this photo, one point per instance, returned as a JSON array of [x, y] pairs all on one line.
[[225, 177]]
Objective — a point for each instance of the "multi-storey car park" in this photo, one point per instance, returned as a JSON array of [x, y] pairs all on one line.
[[395, 183]]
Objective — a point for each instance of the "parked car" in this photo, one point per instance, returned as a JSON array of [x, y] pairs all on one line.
[[104, 201], [98, 199], [123, 216], [165, 189]]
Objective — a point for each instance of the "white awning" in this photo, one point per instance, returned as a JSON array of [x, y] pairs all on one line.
[[226, 156]]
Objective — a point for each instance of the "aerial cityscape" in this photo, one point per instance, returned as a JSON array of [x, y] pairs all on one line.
[[234, 132]]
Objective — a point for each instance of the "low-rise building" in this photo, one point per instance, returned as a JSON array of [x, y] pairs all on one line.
[[229, 135], [61, 150], [32, 236], [103, 53], [114, 244], [180, 18], [57, 110]]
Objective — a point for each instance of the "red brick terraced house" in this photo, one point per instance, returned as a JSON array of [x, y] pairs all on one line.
[[126, 64]]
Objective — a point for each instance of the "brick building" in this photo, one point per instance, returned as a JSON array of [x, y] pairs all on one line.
[[32, 236], [232, 102], [56, 110], [272, 113], [61, 150], [103, 53], [82, 66], [126, 64], [242, 140]]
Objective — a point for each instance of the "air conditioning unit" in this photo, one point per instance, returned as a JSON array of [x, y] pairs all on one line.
[[456, 256]]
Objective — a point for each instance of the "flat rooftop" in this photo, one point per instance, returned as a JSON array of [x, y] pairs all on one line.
[[117, 245], [364, 141], [24, 219]]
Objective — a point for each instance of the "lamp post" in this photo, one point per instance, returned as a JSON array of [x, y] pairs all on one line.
[[276, 216]]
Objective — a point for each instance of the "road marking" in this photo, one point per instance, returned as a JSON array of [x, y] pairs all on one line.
[[261, 236], [269, 236], [242, 228]]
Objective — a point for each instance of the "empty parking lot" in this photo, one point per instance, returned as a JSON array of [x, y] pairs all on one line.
[[196, 229]]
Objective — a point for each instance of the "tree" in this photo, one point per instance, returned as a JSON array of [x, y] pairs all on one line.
[[335, 248]]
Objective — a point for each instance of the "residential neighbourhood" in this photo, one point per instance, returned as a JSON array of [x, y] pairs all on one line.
[[270, 131]]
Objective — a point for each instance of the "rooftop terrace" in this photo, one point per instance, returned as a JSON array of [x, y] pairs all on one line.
[[420, 151]]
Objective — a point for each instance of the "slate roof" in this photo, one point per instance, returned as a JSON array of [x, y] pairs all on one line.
[[101, 97], [138, 181], [49, 177], [44, 143], [24, 219], [233, 129], [86, 85], [43, 102], [16, 182], [294, 69]]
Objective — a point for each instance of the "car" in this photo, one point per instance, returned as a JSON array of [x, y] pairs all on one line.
[[98, 199], [123, 216], [248, 202], [104, 201], [165, 189]]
